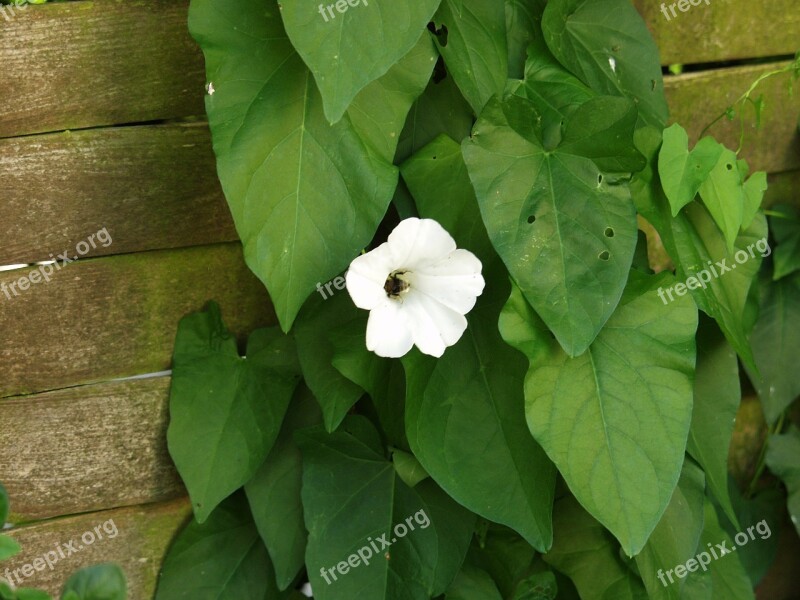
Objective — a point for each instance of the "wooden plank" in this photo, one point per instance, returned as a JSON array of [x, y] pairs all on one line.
[[151, 187], [696, 99], [80, 64], [139, 546], [783, 189], [101, 446], [720, 30], [109, 317]]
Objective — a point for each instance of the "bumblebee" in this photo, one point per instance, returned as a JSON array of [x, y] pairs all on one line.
[[395, 285]]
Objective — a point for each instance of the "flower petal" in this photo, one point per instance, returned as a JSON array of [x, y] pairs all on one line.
[[433, 326], [415, 243], [367, 275], [388, 330], [454, 281]]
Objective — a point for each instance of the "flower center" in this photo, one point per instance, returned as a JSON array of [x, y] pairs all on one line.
[[396, 284]]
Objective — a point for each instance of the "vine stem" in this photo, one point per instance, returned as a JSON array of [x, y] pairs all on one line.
[[744, 98]]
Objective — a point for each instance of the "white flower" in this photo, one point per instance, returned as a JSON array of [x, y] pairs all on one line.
[[417, 287]]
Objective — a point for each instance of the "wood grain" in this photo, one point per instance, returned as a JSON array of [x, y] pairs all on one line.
[[82, 64], [151, 187], [144, 534], [110, 317], [696, 99], [720, 30], [100, 446]]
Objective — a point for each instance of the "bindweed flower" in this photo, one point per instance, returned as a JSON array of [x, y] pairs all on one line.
[[417, 286]]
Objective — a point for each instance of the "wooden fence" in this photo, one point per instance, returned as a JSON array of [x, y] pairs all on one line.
[[101, 126]]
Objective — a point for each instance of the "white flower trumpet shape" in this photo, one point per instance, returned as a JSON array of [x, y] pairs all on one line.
[[417, 286]]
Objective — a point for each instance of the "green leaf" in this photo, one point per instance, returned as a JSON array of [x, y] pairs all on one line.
[[683, 172], [776, 347], [675, 538], [31, 594], [764, 512], [454, 527], [462, 416], [335, 393], [4, 505], [554, 90], [99, 582], [728, 578], [723, 196], [566, 234], [225, 410], [440, 109], [8, 547], [698, 248], [523, 28], [602, 129], [754, 189], [607, 45], [475, 50], [437, 178], [614, 420], [503, 554], [379, 112], [783, 459], [354, 504], [539, 586], [787, 257], [305, 196], [465, 425], [408, 468], [717, 394], [472, 583], [274, 492], [589, 555], [222, 558], [383, 379], [349, 44]]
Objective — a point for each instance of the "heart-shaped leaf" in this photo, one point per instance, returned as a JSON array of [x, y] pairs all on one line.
[[615, 419], [565, 231], [606, 44], [305, 196], [222, 558], [225, 410]]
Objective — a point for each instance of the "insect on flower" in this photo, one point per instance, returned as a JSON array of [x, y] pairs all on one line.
[[417, 286]]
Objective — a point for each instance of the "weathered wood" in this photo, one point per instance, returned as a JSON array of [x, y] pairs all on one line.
[[696, 99], [151, 187], [117, 316], [143, 536], [783, 189], [101, 446], [81, 64], [720, 30]]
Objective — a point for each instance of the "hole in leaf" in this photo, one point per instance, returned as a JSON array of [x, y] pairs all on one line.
[[531, 219], [604, 255], [441, 33], [599, 178], [609, 232], [729, 167]]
